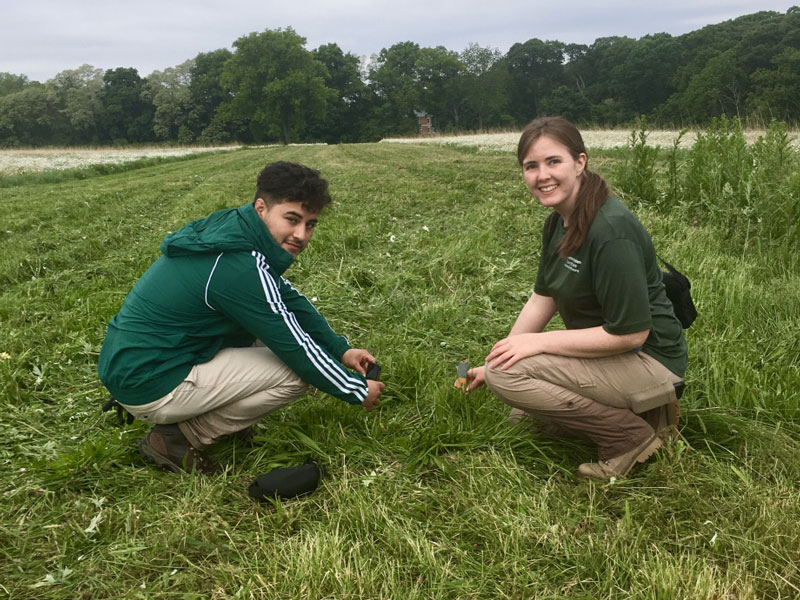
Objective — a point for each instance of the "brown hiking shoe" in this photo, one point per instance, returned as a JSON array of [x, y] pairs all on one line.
[[619, 466], [664, 420], [168, 448]]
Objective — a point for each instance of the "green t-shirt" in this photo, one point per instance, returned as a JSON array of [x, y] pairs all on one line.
[[613, 280]]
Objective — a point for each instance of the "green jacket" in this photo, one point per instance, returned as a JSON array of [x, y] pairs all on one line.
[[218, 284]]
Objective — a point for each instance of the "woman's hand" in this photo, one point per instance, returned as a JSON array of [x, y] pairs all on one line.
[[508, 351], [475, 378]]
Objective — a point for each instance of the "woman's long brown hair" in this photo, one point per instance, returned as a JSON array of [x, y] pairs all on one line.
[[593, 191]]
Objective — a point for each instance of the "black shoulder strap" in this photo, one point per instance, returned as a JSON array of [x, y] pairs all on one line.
[[674, 272]]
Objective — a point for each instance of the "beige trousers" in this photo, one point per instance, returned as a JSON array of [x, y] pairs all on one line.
[[599, 399], [229, 393]]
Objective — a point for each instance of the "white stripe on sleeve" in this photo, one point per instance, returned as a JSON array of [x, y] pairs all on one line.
[[327, 366]]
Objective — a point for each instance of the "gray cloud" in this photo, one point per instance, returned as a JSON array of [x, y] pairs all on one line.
[[40, 38]]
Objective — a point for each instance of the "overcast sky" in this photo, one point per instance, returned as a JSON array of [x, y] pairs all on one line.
[[40, 38]]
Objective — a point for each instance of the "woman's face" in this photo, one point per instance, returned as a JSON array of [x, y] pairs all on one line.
[[552, 175]]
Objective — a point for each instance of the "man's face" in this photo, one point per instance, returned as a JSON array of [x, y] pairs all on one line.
[[289, 224]]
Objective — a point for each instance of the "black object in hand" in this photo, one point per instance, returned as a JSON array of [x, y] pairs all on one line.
[[374, 371]]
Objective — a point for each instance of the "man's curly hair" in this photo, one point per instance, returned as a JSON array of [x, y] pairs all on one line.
[[282, 181]]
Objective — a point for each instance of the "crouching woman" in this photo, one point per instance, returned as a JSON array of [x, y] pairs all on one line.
[[610, 376]]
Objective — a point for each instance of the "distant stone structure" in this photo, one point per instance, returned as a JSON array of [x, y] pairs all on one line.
[[425, 123]]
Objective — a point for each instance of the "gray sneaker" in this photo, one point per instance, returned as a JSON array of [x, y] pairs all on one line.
[[168, 448]]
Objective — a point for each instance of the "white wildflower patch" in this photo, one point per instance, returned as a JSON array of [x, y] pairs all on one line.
[[14, 161], [593, 138], [4, 356]]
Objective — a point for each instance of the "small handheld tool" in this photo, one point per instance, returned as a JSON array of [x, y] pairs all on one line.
[[461, 375]]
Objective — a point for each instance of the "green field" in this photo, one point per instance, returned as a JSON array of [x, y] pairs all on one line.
[[425, 258]]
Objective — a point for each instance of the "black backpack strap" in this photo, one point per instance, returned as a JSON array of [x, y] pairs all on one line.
[[123, 415], [675, 273]]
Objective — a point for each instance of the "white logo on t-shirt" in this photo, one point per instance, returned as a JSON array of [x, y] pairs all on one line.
[[573, 264]]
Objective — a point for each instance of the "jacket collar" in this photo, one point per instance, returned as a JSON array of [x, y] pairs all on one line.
[[278, 258]]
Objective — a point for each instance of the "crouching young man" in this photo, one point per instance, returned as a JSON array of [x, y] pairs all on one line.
[[212, 337]]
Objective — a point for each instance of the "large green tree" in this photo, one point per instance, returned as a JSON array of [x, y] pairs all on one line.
[[535, 68], [127, 116], [395, 80], [602, 70], [349, 104], [485, 84], [410, 81], [10, 83], [27, 117], [775, 92], [718, 89], [645, 79], [169, 92], [440, 73], [78, 93], [569, 102], [276, 84], [207, 94]]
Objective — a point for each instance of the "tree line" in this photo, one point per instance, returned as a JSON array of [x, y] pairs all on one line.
[[270, 88]]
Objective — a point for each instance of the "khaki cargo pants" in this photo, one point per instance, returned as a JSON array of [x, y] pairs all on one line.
[[604, 400], [229, 393]]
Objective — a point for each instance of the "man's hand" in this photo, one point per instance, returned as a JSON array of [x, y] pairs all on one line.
[[374, 397], [475, 378], [357, 359]]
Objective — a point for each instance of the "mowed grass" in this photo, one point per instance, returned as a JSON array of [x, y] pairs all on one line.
[[425, 258]]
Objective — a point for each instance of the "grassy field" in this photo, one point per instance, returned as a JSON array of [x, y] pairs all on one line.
[[425, 257]]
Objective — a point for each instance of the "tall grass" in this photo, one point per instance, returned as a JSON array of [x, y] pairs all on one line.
[[735, 209], [751, 192], [425, 257]]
